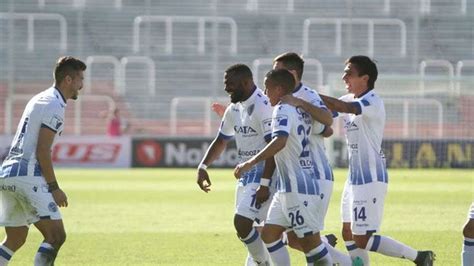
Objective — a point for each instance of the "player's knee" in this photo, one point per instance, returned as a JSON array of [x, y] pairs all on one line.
[[56, 238], [243, 226], [361, 241], [14, 243], [268, 236], [468, 230]]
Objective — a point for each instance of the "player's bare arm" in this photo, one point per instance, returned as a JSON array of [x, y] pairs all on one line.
[[322, 116], [272, 148], [43, 153], [216, 148], [339, 106]]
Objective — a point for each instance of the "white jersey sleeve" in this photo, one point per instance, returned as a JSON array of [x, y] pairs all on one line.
[[53, 117]]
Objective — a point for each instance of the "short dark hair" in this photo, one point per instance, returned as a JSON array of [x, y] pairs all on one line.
[[283, 78], [291, 61], [67, 66], [365, 66], [241, 71]]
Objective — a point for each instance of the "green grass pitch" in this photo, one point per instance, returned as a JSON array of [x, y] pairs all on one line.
[[160, 217]]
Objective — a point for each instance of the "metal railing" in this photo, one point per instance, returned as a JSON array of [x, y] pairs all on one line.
[[31, 17], [77, 109], [120, 71], [200, 21], [459, 67], [436, 63], [205, 101], [371, 23], [406, 112]]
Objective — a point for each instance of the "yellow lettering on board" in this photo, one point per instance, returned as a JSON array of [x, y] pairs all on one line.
[[426, 156]]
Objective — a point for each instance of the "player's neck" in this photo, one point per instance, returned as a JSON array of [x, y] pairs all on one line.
[[361, 93], [249, 93], [62, 91]]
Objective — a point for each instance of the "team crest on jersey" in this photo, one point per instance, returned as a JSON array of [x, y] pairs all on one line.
[[305, 203], [374, 200], [52, 207], [250, 109], [267, 125]]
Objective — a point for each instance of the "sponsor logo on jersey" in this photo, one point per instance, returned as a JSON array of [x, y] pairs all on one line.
[[351, 126], [10, 188], [246, 131], [247, 153]]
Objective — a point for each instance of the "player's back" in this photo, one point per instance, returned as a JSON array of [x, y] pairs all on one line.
[[45, 109], [294, 162]]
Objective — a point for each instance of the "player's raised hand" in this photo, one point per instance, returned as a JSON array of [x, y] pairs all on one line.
[[60, 197], [219, 109], [203, 180]]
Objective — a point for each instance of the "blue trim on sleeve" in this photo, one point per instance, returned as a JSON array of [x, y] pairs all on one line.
[[359, 108], [224, 137], [280, 133], [335, 114], [46, 126], [365, 102]]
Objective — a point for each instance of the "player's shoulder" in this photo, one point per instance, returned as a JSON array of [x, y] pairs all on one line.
[[371, 98], [51, 100]]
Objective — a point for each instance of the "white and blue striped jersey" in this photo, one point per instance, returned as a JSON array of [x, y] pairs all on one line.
[[45, 109], [364, 133], [294, 162], [250, 123], [322, 167]]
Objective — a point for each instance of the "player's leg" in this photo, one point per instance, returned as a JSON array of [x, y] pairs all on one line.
[[346, 214], [54, 237], [468, 245], [275, 225], [14, 216], [250, 236], [271, 235], [367, 216], [15, 237], [315, 251], [247, 211]]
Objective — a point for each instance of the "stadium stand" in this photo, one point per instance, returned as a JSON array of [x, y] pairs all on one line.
[[149, 66]]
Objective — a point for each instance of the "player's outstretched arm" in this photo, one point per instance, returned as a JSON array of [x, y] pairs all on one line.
[[322, 116], [43, 155], [339, 106], [217, 146], [219, 109], [272, 148]]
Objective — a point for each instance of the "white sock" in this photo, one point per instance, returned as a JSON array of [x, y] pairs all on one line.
[[5, 255], [278, 253], [255, 246], [468, 252], [46, 255], [319, 256], [337, 256], [249, 261], [355, 252], [390, 247]]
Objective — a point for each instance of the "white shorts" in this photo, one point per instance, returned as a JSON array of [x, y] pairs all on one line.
[[471, 212], [325, 188], [362, 206], [245, 203], [24, 200], [301, 213]]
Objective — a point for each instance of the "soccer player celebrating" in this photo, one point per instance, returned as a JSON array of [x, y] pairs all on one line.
[[363, 113], [29, 190], [248, 119], [468, 245], [297, 203]]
